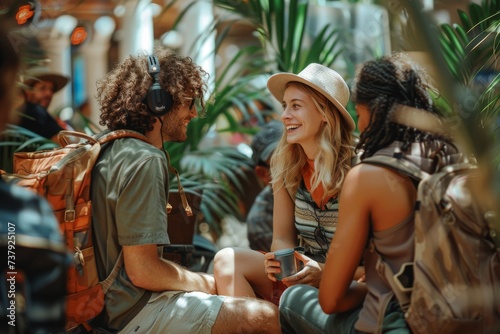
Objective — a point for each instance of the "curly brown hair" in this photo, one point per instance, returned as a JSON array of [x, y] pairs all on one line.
[[121, 93]]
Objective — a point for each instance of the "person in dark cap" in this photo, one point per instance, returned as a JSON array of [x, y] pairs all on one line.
[[260, 216], [41, 84]]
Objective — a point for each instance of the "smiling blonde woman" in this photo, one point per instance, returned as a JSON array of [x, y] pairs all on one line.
[[308, 167]]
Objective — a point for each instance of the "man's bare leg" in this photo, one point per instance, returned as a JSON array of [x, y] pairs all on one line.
[[247, 315]]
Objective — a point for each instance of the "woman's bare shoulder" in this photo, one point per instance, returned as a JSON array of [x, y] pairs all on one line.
[[382, 191], [372, 179]]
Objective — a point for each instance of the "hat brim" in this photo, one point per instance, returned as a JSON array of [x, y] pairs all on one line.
[[277, 85], [58, 80]]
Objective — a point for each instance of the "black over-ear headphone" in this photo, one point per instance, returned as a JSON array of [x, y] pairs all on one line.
[[158, 100]]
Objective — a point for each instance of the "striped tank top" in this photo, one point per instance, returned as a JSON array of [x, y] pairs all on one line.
[[312, 223]]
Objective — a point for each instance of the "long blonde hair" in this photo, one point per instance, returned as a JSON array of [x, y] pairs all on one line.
[[333, 160]]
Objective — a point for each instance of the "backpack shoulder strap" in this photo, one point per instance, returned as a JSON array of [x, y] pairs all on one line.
[[102, 138], [107, 136], [401, 283], [398, 164], [106, 284], [395, 280], [65, 135]]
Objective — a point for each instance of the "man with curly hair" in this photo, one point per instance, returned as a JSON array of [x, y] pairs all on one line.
[[155, 97]]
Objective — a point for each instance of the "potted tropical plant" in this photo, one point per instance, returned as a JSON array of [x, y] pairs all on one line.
[[466, 62]]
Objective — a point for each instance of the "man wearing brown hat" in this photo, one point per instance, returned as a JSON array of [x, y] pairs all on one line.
[[41, 85]]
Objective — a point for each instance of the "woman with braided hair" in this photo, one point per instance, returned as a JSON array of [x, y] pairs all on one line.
[[381, 86], [397, 120]]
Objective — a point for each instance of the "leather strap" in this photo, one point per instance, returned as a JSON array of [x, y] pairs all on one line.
[[398, 164], [106, 284], [108, 136]]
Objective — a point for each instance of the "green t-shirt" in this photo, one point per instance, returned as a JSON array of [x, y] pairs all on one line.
[[129, 197]]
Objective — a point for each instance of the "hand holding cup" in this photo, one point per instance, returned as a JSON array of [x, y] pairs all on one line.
[[282, 263]]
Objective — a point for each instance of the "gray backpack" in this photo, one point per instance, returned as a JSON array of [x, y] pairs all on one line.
[[453, 284]]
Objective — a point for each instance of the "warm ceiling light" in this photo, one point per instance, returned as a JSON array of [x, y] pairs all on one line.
[[78, 36], [24, 13]]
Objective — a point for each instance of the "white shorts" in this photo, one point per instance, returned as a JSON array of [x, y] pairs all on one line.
[[176, 312]]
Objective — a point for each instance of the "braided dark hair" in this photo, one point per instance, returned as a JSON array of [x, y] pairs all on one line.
[[382, 83]]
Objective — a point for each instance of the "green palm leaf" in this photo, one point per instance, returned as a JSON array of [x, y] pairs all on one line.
[[18, 139]]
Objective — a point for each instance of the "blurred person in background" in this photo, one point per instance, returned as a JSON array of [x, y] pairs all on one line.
[[40, 85], [260, 216], [36, 266]]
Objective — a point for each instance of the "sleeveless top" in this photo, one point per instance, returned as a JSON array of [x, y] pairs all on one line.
[[396, 244], [308, 216]]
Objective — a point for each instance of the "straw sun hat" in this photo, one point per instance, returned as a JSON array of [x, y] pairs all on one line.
[[42, 73], [321, 78]]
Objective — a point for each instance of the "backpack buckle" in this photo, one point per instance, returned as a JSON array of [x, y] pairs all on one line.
[[404, 277], [69, 215]]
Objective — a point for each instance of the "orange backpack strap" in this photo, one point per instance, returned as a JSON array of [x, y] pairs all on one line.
[[107, 136], [64, 137], [102, 138]]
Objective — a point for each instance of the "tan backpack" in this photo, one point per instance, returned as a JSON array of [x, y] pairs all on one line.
[[453, 284], [63, 177]]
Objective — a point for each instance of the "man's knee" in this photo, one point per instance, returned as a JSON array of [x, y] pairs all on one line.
[[254, 306], [247, 315]]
